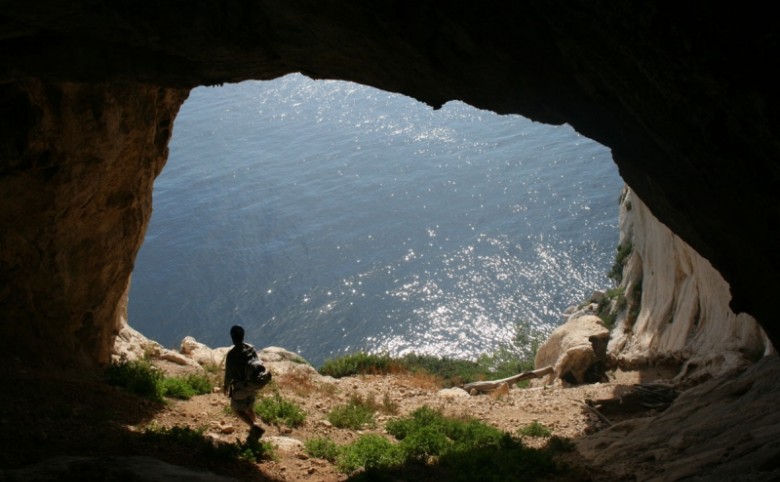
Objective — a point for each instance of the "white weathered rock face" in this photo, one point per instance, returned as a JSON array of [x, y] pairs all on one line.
[[685, 315]]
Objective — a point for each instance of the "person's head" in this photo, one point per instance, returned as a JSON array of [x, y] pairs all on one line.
[[237, 334]]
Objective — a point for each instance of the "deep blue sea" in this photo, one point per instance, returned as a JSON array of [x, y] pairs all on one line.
[[329, 217]]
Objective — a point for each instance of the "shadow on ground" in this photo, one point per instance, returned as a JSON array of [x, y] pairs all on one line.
[[48, 415]]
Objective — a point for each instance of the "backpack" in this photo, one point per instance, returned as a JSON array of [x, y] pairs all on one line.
[[255, 376]]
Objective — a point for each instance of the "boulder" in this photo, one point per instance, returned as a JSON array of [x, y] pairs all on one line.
[[454, 392], [576, 350], [280, 361], [132, 345], [201, 353]]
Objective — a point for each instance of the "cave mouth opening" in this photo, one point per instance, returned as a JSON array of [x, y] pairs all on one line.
[[329, 217]]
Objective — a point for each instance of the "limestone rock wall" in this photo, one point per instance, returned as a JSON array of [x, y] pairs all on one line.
[[684, 313], [76, 172]]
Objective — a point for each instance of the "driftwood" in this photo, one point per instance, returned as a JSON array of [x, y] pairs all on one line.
[[490, 385], [595, 412]]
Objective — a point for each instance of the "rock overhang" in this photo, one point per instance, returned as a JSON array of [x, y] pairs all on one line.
[[680, 94]]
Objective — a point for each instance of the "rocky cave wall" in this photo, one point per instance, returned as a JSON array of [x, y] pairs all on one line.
[[682, 94], [75, 199]]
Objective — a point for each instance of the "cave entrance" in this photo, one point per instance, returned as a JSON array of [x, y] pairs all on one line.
[[327, 216]]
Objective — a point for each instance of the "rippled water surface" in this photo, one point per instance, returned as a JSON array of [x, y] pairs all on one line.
[[328, 217]]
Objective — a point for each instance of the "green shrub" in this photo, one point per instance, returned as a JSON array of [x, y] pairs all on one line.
[[177, 388], [146, 380], [355, 414], [200, 384], [606, 311], [535, 429], [621, 258], [424, 442], [507, 360], [139, 377], [508, 461], [277, 409], [426, 432], [424, 416], [321, 448], [468, 449], [357, 364], [452, 371], [432, 446], [369, 451], [186, 387]]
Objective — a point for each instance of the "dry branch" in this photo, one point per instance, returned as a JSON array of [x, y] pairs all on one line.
[[490, 385], [595, 412]]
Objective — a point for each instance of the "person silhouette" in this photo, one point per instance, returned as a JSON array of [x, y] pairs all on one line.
[[235, 373]]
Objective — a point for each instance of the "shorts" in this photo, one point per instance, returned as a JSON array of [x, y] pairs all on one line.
[[243, 405]]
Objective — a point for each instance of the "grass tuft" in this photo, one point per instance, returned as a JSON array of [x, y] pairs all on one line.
[[535, 429], [369, 452], [321, 448], [144, 379], [276, 409], [355, 414], [139, 377]]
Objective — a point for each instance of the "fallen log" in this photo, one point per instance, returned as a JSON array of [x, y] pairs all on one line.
[[490, 385]]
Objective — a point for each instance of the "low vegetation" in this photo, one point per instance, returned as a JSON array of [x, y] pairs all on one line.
[[617, 300], [621, 258], [426, 440], [506, 360], [612, 304], [144, 379], [275, 409], [535, 429], [356, 414], [422, 445]]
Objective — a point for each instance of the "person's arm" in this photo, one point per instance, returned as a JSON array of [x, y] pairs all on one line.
[[228, 374]]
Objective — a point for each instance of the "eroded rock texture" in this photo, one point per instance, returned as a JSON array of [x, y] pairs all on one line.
[[75, 199], [677, 309], [682, 94]]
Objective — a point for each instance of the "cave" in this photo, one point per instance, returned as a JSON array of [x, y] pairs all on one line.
[[681, 95]]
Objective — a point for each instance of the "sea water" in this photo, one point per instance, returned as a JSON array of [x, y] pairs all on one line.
[[328, 217]]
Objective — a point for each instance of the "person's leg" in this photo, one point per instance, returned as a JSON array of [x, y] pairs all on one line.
[[256, 431], [244, 409]]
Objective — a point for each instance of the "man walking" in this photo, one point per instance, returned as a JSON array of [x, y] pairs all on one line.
[[241, 401]]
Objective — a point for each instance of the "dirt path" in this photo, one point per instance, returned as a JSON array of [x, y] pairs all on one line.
[[557, 408], [45, 416]]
